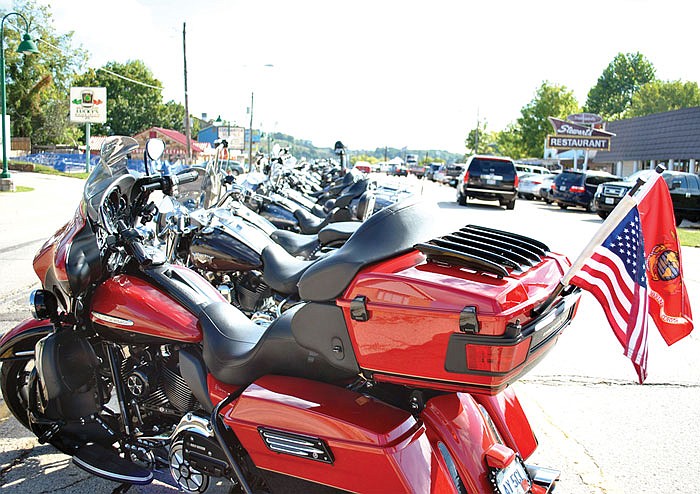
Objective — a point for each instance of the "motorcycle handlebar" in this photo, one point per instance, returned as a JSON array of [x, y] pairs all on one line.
[[132, 242]]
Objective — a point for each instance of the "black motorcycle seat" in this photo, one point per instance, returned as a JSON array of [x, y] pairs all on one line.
[[238, 351], [297, 244], [281, 270], [390, 232], [309, 223], [337, 232]]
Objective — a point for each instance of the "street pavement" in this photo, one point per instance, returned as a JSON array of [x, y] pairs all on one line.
[[606, 433]]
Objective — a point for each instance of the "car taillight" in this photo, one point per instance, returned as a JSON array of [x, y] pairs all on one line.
[[577, 189], [466, 177], [517, 180], [494, 358]]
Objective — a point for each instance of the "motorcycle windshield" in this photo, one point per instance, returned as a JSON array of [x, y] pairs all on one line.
[[113, 163]]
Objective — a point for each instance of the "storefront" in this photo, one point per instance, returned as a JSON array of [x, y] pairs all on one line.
[[670, 138]]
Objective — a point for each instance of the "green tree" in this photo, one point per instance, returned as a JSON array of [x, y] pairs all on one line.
[[480, 140], [661, 96], [509, 142], [131, 106], [621, 79], [38, 84], [551, 100]]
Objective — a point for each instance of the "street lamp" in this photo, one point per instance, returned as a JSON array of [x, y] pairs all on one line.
[[25, 47]]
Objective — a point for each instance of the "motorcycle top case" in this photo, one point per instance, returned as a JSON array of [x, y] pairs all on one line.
[[455, 313]]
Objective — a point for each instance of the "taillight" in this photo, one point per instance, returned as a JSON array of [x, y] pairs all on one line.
[[577, 189], [517, 180], [494, 358], [466, 177], [499, 456]]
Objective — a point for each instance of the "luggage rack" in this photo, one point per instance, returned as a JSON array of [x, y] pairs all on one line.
[[485, 250]]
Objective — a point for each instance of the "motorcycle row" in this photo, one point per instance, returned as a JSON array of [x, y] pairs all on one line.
[[301, 320]]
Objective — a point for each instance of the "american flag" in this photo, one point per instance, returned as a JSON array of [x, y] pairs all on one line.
[[615, 274]]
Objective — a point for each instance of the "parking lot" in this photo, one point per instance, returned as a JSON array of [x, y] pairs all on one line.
[[604, 432]]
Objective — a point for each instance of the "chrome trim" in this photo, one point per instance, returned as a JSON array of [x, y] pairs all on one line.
[[194, 423], [490, 191], [25, 353], [112, 319]]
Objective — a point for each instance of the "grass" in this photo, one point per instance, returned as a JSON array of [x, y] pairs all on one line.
[[47, 170], [689, 237], [20, 188]]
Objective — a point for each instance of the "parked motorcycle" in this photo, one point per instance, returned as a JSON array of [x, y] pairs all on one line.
[[391, 375]]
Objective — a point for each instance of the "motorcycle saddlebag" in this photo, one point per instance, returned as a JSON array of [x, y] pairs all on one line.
[[333, 436], [455, 313]]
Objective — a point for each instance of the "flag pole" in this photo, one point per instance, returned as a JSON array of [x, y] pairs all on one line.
[[628, 202]]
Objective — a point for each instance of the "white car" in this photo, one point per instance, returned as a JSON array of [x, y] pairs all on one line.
[[531, 184]]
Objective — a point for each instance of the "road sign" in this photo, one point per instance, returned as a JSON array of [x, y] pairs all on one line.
[[88, 104]]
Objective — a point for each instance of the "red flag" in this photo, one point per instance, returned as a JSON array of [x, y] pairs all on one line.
[[668, 300]]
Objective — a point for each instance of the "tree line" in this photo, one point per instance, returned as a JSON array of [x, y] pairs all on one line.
[[38, 86], [627, 88]]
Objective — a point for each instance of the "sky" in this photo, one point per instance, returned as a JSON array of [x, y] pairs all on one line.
[[377, 73]]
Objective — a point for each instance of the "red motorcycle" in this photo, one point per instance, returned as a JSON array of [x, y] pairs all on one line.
[[391, 375]]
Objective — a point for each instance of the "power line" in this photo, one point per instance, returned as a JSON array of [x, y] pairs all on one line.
[[108, 71]]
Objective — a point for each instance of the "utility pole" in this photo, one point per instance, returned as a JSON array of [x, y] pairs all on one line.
[[188, 131], [250, 129]]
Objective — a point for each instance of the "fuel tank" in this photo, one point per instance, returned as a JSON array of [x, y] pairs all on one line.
[[230, 243], [132, 310]]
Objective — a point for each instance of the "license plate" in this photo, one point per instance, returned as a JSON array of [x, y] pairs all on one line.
[[490, 182], [609, 200], [513, 479], [563, 189]]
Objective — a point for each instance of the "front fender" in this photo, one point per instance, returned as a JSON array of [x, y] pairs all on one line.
[[20, 340]]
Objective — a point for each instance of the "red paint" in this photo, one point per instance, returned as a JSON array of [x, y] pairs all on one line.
[[510, 420], [7, 340], [456, 421], [153, 312], [54, 253], [414, 308], [219, 390], [376, 447]]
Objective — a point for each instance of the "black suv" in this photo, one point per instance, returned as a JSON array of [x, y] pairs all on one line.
[[488, 178], [684, 188], [577, 188]]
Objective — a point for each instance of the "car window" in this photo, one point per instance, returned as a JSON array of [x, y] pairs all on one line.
[[595, 180], [681, 179], [569, 178], [693, 182], [498, 167]]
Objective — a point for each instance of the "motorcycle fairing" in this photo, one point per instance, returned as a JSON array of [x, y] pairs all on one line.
[[371, 446], [23, 337]]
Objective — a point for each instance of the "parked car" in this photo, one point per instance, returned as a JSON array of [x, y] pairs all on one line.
[[523, 169], [399, 170], [530, 184], [545, 190], [431, 169], [578, 188], [488, 178], [231, 167], [684, 189], [449, 174], [363, 166]]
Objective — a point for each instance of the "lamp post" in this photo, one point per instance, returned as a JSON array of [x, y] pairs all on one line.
[[25, 47]]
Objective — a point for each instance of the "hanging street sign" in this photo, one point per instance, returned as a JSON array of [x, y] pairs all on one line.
[[88, 104], [562, 127]]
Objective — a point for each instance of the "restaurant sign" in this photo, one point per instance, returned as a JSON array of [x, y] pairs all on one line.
[[570, 135], [88, 104]]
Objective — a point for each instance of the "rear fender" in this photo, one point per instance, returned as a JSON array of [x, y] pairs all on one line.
[[19, 342], [457, 428]]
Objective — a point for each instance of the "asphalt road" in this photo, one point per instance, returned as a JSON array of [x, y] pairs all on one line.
[[604, 432]]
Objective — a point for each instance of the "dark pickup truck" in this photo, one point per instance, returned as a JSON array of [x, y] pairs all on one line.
[[684, 188]]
